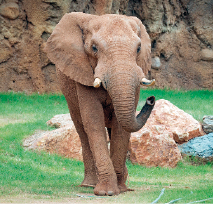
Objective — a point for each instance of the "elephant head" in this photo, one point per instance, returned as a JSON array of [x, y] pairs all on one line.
[[108, 50]]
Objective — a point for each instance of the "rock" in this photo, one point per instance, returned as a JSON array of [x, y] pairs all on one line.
[[208, 124], [156, 64], [201, 147], [168, 119], [153, 150], [5, 50], [207, 55], [63, 141], [61, 120], [9, 10]]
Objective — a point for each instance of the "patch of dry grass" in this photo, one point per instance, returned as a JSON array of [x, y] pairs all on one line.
[[16, 118]]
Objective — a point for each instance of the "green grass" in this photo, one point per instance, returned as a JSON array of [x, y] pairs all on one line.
[[34, 176]]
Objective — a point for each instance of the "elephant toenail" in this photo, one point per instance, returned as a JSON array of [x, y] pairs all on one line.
[[101, 193], [110, 193]]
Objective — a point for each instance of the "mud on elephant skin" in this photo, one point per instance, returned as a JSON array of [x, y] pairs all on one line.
[[101, 62]]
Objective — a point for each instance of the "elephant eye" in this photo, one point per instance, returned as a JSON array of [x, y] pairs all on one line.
[[94, 48], [139, 49]]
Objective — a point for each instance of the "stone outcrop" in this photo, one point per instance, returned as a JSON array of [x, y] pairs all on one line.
[[201, 147], [24, 28], [180, 31], [208, 124], [154, 145]]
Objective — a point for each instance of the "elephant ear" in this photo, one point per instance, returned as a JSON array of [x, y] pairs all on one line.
[[144, 59], [65, 48]]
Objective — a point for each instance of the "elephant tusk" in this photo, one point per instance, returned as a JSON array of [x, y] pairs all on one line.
[[97, 83], [146, 82]]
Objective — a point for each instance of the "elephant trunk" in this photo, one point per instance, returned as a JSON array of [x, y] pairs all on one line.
[[124, 98]]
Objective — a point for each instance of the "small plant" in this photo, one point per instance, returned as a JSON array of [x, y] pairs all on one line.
[[196, 161]]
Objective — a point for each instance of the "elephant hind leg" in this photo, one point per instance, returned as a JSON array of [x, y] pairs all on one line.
[[90, 177]]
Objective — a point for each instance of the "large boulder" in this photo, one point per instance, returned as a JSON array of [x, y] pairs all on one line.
[[63, 141], [168, 119], [201, 147], [153, 150]]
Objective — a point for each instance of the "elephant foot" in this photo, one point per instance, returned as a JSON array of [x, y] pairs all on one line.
[[89, 181], [106, 189], [123, 187], [122, 180]]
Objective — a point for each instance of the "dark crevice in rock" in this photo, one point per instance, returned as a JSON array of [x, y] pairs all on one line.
[[184, 9], [49, 64], [45, 35], [52, 20], [154, 42], [55, 13], [27, 22], [164, 17], [203, 41], [54, 5]]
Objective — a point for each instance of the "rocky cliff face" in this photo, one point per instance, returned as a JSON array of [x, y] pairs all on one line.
[[181, 33], [182, 40]]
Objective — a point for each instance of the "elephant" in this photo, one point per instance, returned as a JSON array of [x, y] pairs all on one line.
[[101, 61]]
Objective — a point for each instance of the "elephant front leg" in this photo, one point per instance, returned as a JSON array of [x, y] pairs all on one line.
[[118, 151], [94, 125], [68, 88]]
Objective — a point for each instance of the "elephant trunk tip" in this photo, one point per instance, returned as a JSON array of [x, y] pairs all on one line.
[[144, 114], [150, 100]]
